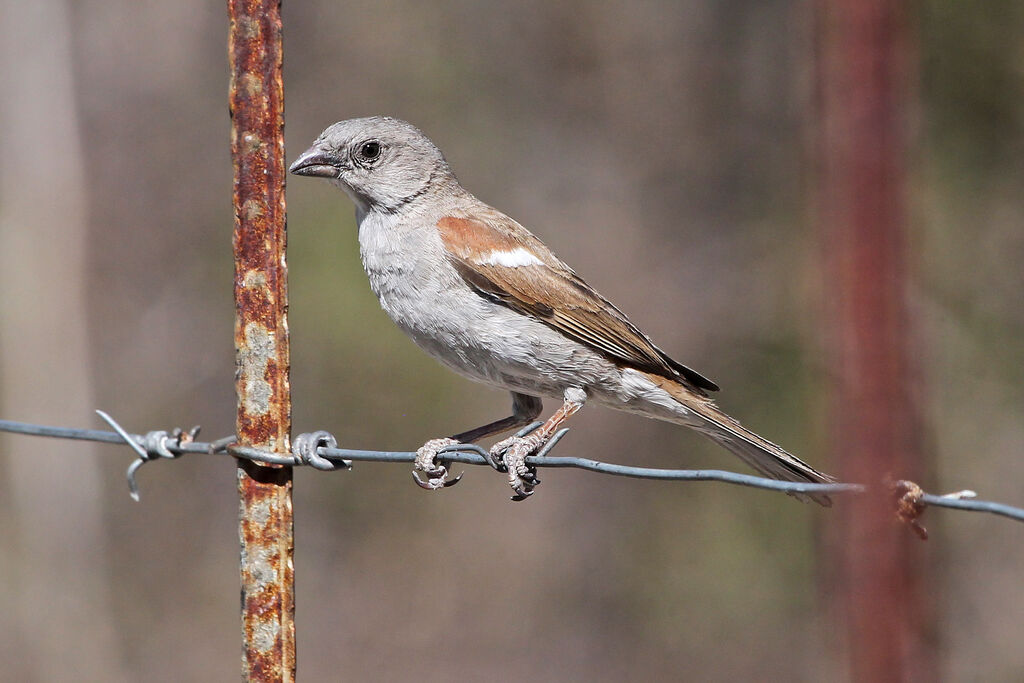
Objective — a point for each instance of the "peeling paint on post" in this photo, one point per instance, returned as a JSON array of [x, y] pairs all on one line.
[[261, 339]]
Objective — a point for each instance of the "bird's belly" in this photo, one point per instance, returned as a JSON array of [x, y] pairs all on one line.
[[488, 342]]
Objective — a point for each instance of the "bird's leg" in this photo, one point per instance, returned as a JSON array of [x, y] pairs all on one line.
[[525, 409], [513, 451]]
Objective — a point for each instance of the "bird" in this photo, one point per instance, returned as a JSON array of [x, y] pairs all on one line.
[[480, 293]]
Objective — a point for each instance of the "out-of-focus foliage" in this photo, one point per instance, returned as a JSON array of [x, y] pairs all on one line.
[[969, 250], [658, 147]]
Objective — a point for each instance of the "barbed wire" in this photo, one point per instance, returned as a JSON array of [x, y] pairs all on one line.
[[910, 499]]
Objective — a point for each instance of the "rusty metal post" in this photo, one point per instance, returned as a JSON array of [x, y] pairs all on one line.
[[864, 83], [261, 338]]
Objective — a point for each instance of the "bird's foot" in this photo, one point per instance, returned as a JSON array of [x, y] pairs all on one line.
[[426, 462], [510, 455]]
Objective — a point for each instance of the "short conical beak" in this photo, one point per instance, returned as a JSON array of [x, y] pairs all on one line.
[[317, 163]]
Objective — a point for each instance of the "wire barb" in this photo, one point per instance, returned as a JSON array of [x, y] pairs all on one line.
[[155, 444]]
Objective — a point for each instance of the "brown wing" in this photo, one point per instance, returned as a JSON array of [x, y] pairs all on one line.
[[504, 261]]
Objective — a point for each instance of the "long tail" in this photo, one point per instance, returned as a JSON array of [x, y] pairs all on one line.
[[762, 455]]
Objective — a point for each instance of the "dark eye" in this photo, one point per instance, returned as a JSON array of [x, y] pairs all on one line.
[[370, 150]]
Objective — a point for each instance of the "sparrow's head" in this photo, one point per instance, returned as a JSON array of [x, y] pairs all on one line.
[[381, 162]]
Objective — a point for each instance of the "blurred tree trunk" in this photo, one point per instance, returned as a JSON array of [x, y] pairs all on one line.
[[58, 622], [864, 85]]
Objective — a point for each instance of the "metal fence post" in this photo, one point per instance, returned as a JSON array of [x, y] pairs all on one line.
[[865, 88], [261, 338]]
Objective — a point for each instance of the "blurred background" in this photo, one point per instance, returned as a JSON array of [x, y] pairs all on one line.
[[666, 151]]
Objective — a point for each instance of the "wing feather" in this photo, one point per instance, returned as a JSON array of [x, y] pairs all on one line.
[[505, 262]]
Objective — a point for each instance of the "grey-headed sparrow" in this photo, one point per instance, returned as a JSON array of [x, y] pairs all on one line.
[[480, 293]]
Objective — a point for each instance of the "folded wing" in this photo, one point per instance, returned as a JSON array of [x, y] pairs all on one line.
[[503, 261]]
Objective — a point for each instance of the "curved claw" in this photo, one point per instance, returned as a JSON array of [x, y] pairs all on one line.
[[422, 484], [521, 494], [524, 486], [456, 480], [435, 483]]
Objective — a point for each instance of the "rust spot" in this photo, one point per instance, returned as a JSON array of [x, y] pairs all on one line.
[[907, 496]]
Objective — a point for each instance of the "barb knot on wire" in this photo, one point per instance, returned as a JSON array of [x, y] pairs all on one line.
[[153, 445], [304, 448]]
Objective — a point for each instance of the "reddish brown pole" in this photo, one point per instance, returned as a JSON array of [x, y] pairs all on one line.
[[864, 87], [261, 339]]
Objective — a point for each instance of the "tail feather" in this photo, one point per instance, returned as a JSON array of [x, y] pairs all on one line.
[[764, 456]]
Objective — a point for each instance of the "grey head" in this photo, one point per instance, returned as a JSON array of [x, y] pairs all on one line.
[[382, 163]]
